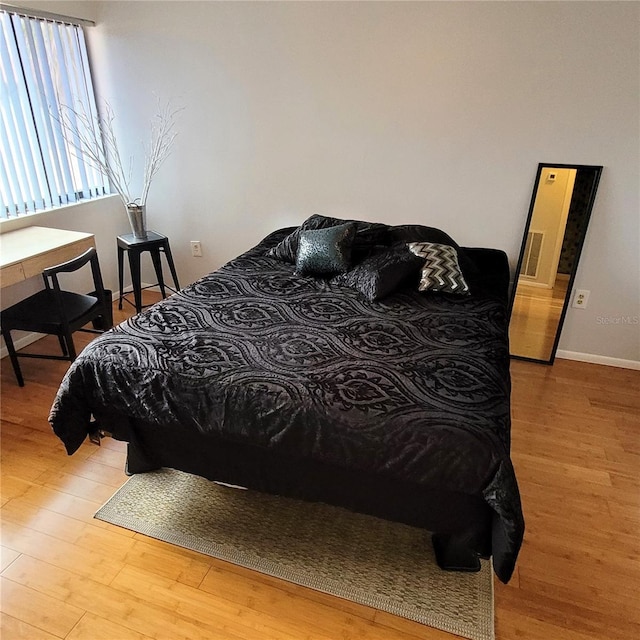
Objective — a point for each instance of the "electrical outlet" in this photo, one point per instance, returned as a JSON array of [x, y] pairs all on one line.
[[196, 249], [580, 299]]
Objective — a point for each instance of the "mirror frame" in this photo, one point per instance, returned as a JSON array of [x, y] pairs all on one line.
[[597, 169]]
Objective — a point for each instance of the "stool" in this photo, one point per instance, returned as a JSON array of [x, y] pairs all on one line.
[[154, 243]]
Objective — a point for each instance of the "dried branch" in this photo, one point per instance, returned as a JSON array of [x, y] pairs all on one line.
[[93, 139], [163, 135]]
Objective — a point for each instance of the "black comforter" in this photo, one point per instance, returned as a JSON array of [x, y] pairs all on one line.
[[414, 387]]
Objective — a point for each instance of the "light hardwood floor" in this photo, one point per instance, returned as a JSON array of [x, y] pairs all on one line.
[[576, 449], [534, 319]]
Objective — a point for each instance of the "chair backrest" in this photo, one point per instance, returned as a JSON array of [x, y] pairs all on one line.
[[51, 281]]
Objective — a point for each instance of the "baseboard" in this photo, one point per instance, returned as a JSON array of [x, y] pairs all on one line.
[[535, 285], [595, 359]]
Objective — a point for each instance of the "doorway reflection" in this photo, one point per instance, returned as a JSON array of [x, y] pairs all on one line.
[[560, 208]]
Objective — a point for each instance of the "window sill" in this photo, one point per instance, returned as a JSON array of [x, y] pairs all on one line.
[[39, 218]]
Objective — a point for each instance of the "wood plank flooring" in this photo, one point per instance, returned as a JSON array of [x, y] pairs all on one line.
[[534, 319], [576, 449]]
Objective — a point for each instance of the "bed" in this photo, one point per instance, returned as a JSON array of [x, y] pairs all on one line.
[[350, 387]]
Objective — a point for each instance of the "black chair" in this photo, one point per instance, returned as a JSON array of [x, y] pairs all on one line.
[[57, 312]]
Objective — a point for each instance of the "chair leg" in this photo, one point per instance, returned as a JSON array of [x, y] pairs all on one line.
[[155, 258], [120, 275], [6, 334], [134, 267], [71, 349], [172, 268], [63, 346]]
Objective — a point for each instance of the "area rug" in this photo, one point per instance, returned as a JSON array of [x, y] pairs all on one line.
[[385, 565]]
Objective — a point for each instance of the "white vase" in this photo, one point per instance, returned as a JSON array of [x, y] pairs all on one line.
[[137, 214]]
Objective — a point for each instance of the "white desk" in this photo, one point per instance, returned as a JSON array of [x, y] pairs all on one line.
[[26, 252]]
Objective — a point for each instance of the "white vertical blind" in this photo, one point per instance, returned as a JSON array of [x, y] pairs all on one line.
[[44, 66]]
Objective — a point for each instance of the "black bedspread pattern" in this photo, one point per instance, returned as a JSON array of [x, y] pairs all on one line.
[[414, 387]]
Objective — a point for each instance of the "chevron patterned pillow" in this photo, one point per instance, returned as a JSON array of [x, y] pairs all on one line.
[[441, 271]]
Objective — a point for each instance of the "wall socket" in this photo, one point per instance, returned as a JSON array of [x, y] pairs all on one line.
[[580, 299], [196, 249]]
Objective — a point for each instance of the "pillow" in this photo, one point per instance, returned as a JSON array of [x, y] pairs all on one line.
[[325, 251], [368, 234], [382, 272], [287, 248], [419, 233], [441, 271]]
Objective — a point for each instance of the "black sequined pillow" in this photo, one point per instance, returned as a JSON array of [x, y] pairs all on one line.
[[325, 251], [441, 270], [382, 273], [287, 248], [368, 234]]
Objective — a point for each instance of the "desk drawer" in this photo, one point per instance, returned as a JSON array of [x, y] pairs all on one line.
[[12, 274]]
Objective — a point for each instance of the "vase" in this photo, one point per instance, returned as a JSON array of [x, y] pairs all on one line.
[[137, 214]]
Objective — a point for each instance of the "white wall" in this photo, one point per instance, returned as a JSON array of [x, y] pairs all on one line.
[[430, 112]]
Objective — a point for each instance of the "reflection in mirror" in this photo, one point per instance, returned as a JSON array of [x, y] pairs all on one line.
[[561, 205]]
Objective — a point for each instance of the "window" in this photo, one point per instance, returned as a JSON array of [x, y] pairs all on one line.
[[44, 66]]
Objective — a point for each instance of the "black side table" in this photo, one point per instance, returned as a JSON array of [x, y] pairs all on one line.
[[154, 243]]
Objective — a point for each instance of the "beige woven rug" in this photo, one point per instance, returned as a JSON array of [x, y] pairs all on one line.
[[385, 565]]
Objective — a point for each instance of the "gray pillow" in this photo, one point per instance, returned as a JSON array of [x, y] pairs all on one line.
[[441, 270], [325, 251]]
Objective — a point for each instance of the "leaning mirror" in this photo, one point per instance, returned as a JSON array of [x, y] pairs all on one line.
[[561, 204]]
